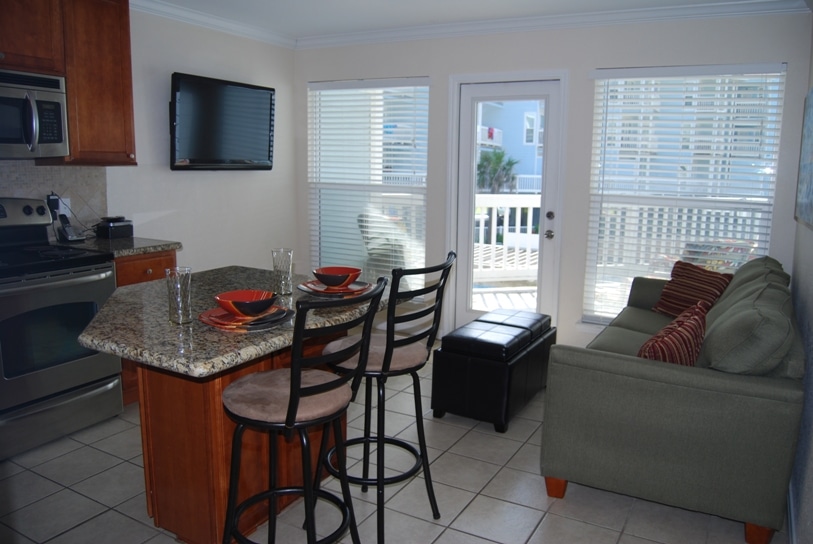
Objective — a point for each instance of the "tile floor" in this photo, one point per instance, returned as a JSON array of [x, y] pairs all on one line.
[[89, 488]]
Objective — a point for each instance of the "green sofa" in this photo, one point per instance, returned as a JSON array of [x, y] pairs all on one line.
[[718, 437]]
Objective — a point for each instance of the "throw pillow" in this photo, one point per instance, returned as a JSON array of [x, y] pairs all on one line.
[[680, 341], [690, 284]]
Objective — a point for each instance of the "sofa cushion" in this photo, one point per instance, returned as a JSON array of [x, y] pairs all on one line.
[[748, 280], [619, 340], [690, 284], [752, 336], [637, 319], [680, 341], [755, 272]]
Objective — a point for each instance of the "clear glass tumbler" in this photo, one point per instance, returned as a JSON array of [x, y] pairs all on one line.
[[179, 294], [282, 258]]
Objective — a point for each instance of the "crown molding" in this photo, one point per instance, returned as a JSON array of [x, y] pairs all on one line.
[[198, 18], [496, 26]]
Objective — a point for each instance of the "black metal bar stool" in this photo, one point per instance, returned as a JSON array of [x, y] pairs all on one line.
[[290, 400], [403, 349]]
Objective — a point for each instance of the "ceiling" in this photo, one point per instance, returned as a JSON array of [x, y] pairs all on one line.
[[320, 23]]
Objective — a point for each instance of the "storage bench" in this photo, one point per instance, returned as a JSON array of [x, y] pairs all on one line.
[[490, 368]]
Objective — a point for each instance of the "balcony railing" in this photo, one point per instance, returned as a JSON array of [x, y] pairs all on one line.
[[506, 238], [645, 233], [529, 183], [489, 136]]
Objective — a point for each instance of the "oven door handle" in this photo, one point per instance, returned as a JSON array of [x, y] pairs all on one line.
[[68, 281]]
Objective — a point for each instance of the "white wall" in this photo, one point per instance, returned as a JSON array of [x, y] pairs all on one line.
[[235, 217], [802, 286], [222, 217], [573, 52]]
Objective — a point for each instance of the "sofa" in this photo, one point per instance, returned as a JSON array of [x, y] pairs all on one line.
[[717, 431]]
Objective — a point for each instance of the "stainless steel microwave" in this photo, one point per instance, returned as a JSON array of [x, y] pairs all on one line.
[[33, 116]]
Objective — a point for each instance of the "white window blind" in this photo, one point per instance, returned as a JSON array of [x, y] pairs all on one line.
[[683, 167], [367, 153]]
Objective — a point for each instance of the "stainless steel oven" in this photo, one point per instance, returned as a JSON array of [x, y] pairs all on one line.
[[50, 386]]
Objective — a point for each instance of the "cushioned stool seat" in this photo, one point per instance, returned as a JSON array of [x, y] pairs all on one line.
[[490, 368]]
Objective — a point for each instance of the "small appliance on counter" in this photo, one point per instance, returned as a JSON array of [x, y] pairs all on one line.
[[114, 227]]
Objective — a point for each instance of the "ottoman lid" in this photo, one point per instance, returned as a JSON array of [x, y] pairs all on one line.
[[532, 321], [486, 340]]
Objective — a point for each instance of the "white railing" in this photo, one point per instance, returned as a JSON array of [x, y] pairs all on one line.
[[489, 136], [644, 232], [527, 183], [397, 178], [506, 239]]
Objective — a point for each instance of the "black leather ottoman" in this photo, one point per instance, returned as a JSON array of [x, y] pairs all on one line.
[[490, 368]]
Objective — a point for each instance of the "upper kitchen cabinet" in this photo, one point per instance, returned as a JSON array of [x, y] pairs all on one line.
[[99, 81], [31, 36]]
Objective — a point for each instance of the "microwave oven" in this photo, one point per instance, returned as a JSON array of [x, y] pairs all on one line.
[[33, 120]]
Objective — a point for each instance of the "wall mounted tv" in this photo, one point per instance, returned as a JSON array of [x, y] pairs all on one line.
[[220, 125]]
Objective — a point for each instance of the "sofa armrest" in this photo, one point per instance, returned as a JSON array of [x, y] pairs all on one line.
[[684, 436], [645, 292]]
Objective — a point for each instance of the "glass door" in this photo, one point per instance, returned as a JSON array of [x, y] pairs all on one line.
[[507, 198]]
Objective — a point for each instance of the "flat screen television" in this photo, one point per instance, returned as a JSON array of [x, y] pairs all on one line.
[[220, 125]]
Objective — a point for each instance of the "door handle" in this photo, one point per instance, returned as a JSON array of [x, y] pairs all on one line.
[[549, 234]]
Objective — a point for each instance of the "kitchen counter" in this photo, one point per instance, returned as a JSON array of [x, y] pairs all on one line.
[[133, 324], [126, 247]]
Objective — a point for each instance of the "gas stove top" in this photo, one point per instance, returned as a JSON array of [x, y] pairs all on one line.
[[25, 249]]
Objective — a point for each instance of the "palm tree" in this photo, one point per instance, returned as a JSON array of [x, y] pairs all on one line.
[[495, 171]]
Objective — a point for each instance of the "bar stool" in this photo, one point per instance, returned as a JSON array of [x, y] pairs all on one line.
[[289, 400], [403, 349]]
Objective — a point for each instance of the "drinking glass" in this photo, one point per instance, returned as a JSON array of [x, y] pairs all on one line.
[[282, 259], [179, 294]]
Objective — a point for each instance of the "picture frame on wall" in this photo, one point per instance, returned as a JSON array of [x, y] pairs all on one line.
[[804, 189]]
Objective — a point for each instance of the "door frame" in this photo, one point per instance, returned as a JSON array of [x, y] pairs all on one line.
[[453, 171]]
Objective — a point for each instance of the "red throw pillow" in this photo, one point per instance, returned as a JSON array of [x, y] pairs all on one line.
[[689, 284], [680, 341]]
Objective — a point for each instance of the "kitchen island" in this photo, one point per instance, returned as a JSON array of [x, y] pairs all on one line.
[[182, 371]]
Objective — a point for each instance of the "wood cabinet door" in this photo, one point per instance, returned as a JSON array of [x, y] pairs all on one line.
[[99, 81], [31, 36]]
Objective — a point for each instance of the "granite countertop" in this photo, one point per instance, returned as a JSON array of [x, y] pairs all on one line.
[[133, 324], [125, 247]]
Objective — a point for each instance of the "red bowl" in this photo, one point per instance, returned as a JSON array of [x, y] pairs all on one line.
[[337, 276], [246, 302]]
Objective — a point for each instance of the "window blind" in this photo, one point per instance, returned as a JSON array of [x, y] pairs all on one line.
[[367, 156], [683, 168]]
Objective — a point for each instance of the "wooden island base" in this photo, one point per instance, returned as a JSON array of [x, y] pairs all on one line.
[[187, 450]]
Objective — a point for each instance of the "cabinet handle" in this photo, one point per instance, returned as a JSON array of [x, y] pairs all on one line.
[[149, 271]]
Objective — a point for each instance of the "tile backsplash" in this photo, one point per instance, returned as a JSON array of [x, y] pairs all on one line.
[[85, 186]]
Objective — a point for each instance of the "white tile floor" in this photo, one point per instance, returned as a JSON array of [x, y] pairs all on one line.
[[89, 488]]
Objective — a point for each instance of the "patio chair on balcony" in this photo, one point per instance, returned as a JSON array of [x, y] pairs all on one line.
[[384, 242]]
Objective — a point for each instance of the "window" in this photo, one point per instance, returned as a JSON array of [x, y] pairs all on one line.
[[683, 167], [367, 153], [530, 128]]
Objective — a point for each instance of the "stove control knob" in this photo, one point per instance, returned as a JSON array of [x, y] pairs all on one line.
[[28, 210], [41, 210]]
